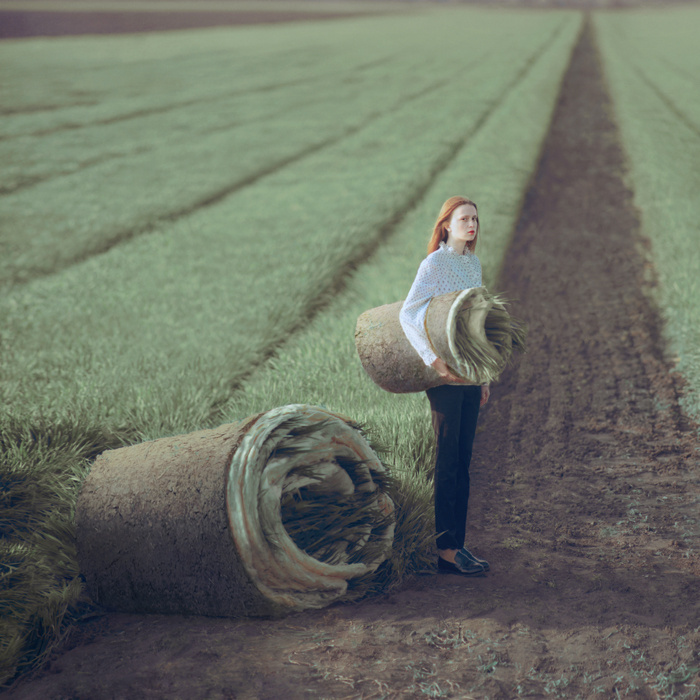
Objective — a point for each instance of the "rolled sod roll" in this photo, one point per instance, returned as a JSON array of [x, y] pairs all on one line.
[[280, 512], [470, 330]]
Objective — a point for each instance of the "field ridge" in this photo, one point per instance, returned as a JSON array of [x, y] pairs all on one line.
[[171, 106]]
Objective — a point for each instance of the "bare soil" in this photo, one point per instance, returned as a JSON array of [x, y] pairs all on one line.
[[16, 24], [585, 500]]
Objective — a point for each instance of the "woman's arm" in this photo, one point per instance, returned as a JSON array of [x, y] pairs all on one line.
[[485, 394], [412, 315], [444, 371]]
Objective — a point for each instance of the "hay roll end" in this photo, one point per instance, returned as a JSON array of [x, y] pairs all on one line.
[[235, 521]]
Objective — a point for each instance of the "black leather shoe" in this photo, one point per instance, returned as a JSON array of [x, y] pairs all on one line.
[[462, 566], [475, 559]]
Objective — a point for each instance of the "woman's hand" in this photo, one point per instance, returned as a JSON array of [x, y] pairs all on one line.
[[485, 393], [444, 371]]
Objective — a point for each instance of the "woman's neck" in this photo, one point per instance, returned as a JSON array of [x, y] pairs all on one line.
[[457, 246]]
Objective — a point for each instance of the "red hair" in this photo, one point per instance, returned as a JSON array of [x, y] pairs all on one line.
[[440, 228]]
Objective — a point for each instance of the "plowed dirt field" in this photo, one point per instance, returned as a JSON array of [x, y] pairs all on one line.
[[15, 24]]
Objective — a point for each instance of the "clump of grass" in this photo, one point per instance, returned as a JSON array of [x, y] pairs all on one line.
[[481, 361], [333, 529], [42, 465], [414, 537], [332, 507], [505, 332]]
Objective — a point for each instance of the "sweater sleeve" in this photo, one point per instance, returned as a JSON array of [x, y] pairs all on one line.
[[415, 307]]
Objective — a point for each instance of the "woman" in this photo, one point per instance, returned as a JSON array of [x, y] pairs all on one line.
[[451, 265]]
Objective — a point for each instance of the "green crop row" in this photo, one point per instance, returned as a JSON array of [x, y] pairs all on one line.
[[652, 63], [155, 336], [142, 106]]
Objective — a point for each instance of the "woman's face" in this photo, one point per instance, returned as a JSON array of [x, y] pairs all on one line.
[[464, 224]]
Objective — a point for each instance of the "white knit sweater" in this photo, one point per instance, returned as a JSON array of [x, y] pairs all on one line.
[[442, 272]]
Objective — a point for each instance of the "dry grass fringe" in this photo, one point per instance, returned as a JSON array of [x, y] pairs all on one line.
[[331, 527], [484, 362], [42, 465]]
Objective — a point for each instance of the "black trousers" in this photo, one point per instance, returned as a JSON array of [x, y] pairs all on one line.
[[454, 410]]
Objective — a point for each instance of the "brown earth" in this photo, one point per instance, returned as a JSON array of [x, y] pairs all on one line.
[[16, 24], [585, 500]]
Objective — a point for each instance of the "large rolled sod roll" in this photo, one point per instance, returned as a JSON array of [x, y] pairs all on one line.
[[280, 512], [470, 330]]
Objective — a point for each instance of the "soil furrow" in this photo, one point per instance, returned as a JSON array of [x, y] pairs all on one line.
[[287, 110], [172, 106]]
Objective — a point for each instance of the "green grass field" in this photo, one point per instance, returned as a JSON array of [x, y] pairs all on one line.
[[652, 63], [174, 213], [210, 292]]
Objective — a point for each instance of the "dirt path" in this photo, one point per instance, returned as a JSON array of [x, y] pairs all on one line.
[[585, 496]]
